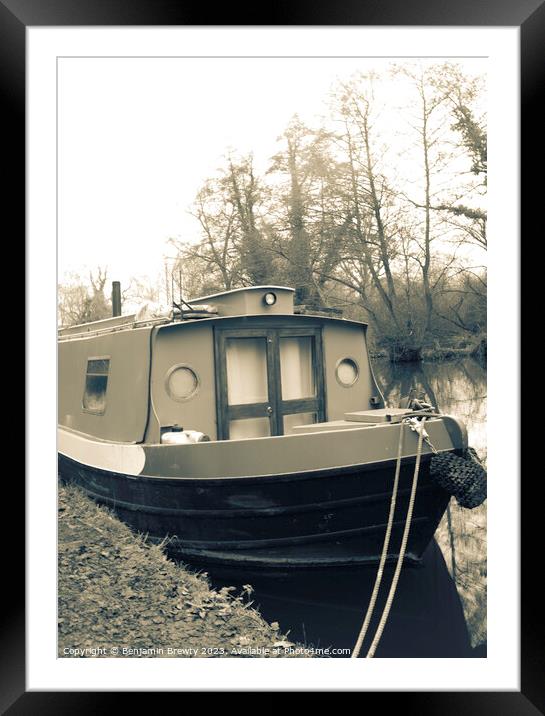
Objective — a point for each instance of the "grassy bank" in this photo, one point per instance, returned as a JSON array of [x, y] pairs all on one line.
[[120, 596]]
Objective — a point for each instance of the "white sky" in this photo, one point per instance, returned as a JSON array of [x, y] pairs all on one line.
[[138, 136]]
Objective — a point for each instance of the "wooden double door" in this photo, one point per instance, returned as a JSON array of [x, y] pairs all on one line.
[[268, 380]]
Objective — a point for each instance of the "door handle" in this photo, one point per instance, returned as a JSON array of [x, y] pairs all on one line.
[[269, 409]]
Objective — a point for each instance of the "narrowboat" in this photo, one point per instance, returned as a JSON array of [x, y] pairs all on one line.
[[247, 431]]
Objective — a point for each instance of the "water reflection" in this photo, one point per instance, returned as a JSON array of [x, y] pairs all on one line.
[[321, 609], [455, 387], [427, 618]]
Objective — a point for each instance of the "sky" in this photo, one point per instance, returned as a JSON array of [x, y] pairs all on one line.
[[138, 137]]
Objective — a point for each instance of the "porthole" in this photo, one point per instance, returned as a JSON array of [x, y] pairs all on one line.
[[181, 382], [269, 299], [347, 372]]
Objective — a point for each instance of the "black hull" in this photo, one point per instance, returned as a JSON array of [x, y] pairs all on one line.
[[310, 520]]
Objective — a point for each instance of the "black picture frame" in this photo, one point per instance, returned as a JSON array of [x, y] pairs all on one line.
[[15, 17]]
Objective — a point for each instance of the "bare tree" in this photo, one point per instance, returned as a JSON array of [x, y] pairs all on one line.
[[217, 252], [82, 301], [375, 253], [400, 222], [232, 250], [462, 95]]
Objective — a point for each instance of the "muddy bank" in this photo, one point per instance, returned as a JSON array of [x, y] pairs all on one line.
[[121, 597]]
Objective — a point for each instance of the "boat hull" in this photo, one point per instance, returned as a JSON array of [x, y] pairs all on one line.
[[312, 519]]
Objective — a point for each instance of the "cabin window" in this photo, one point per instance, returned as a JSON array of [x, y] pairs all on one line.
[[297, 367], [246, 370], [268, 380], [347, 372], [182, 382], [96, 384]]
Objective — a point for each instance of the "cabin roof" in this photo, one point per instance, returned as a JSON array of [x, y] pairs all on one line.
[[106, 325], [279, 316], [92, 329], [238, 303]]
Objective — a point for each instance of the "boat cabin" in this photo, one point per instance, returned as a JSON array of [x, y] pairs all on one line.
[[239, 364]]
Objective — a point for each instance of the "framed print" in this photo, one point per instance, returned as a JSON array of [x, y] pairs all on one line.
[[257, 268]]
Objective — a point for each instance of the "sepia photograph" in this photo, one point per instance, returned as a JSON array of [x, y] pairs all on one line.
[[272, 357]]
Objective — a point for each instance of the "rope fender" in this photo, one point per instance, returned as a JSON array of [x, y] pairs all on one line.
[[463, 477]]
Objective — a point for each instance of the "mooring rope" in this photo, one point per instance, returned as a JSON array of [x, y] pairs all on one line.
[[401, 555], [380, 571]]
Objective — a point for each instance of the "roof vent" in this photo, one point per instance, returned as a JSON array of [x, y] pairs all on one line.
[[251, 301]]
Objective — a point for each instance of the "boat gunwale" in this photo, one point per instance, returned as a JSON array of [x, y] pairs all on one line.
[[268, 477], [151, 448]]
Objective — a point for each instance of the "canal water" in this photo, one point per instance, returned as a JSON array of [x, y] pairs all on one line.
[[440, 607]]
